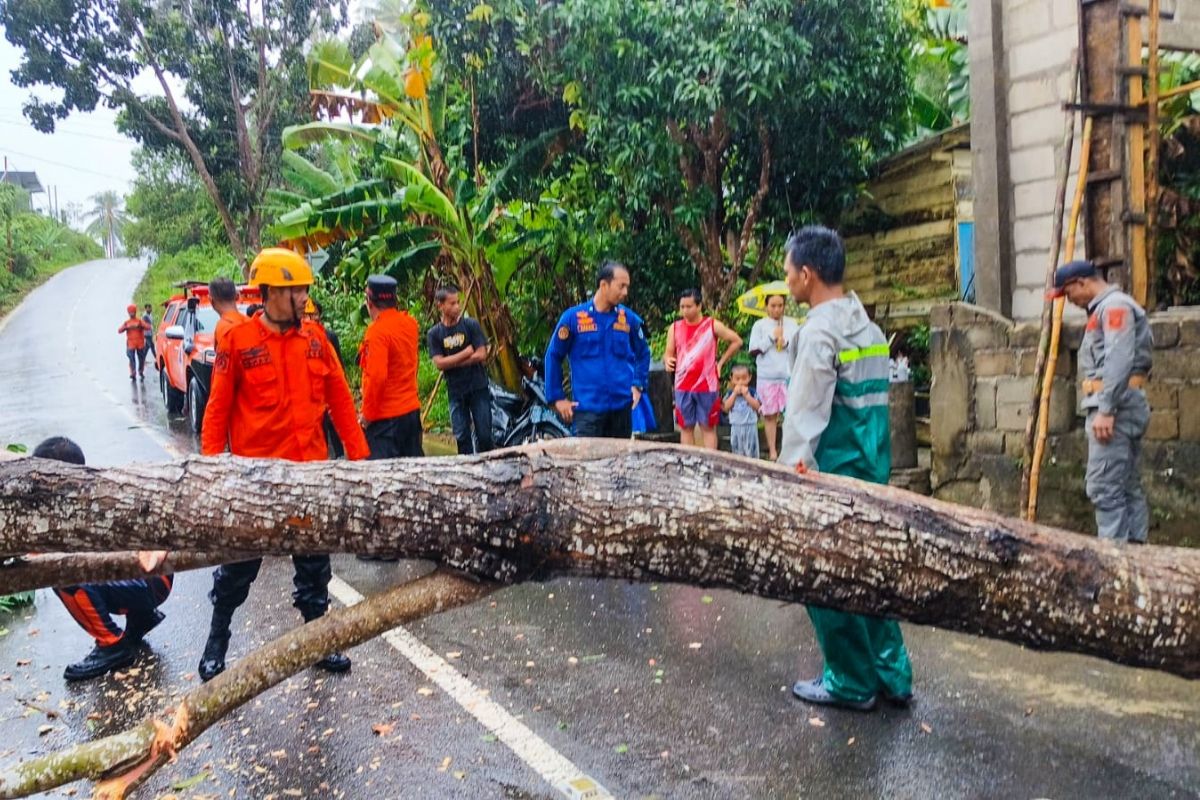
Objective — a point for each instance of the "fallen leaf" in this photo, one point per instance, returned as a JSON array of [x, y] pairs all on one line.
[[445, 764], [279, 754], [424, 691], [816, 722], [925, 728], [572, 661], [695, 645], [594, 658], [621, 749], [850, 742], [488, 737], [23, 662], [293, 792], [454, 654], [530, 664], [382, 728], [706, 599], [190, 782], [458, 773], [44, 729]]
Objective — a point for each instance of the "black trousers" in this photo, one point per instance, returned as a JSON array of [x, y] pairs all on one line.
[[472, 412], [397, 437], [616, 424], [231, 584]]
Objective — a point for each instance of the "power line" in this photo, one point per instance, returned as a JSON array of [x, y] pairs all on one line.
[[74, 133], [66, 166]]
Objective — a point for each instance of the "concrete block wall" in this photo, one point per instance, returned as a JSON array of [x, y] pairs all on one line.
[[1040, 36], [983, 368]]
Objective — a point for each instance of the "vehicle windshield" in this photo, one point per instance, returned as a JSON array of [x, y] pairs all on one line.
[[206, 318]]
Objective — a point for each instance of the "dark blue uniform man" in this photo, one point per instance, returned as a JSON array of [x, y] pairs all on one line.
[[610, 360]]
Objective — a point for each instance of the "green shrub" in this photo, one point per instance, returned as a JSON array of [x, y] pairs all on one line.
[[201, 263]]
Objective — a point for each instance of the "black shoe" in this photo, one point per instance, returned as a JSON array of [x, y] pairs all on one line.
[[136, 629], [814, 691], [377, 558], [101, 660], [898, 700], [334, 662], [212, 662]]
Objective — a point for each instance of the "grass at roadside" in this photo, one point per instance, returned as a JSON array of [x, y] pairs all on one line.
[[195, 263], [15, 288]]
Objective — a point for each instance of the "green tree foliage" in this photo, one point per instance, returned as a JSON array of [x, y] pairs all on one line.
[[106, 220], [168, 207], [733, 120], [238, 68], [34, 247], [1177, 256], [940, 66]]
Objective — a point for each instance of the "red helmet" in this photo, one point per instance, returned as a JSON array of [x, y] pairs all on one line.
[[131, 308]]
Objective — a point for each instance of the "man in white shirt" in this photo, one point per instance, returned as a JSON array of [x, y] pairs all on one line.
[[771, 345]]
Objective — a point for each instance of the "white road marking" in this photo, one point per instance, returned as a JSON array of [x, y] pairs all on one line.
[[555, 768], [547, 762], [159, 438]]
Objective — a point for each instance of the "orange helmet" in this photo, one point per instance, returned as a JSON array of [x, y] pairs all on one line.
[[131, 309], [278, 266]]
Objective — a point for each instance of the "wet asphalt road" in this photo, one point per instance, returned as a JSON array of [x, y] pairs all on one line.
[[673, 691]]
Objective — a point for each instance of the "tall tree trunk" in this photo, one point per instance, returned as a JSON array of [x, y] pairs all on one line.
[[642, 512]]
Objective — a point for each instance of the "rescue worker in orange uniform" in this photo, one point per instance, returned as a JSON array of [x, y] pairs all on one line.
[[135, 330], [388, 357], [274, 377], [223, 295]]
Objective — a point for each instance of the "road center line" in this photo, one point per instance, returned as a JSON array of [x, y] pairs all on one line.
[[547, 762]]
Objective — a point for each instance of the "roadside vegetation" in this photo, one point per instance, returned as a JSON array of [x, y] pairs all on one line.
[[34, 247]]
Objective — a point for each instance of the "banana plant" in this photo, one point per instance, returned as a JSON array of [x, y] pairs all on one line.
[[407, 215]]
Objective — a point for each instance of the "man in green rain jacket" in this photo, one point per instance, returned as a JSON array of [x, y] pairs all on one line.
[[836, 421]]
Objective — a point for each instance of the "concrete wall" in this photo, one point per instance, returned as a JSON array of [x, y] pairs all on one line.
[[1020, 77], [982, 380]]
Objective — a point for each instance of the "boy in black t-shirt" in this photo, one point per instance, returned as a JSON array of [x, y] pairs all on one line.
[[459, 348]]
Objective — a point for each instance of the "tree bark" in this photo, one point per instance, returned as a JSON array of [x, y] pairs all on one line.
[[648, 513], [128, 758], [64, 569]]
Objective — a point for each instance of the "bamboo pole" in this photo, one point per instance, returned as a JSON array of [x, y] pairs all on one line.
[[1060, 201], [1139, 281], [1153, 136], [1043, 418]]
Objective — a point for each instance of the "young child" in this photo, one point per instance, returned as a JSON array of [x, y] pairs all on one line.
[[742, 406]]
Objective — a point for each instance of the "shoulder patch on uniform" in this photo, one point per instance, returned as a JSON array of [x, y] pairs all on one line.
[[1115, 318], [222, 363], [564, 332], [315, 350], [1093, 322]]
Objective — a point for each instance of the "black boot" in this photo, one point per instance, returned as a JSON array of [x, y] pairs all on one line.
[[102, 660], [212, 662], [136, 629], [334, 662]]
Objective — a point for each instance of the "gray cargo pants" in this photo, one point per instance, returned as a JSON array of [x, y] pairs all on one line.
[[1114, 484]]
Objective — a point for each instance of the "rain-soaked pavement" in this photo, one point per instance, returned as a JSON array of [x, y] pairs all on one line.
[[650, 691]]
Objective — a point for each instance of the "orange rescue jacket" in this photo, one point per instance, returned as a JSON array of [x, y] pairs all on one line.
[[135, 333], [388, 357], [225, 324], [269, 395]]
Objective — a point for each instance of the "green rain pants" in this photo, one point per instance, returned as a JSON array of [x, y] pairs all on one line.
[[863, 655]]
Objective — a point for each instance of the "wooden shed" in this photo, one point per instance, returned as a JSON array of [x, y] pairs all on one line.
[[909, 239]]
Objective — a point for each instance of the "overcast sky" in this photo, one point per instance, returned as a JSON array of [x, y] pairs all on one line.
[[85, 155]]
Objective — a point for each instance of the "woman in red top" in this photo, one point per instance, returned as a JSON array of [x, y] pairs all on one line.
[[135, 330], [691, 353]]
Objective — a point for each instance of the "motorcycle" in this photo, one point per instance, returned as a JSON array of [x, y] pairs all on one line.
[[527, 417]]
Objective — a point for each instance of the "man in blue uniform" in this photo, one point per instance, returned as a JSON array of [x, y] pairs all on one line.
[[609, 357]]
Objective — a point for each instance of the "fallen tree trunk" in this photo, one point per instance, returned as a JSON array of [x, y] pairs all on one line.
[[644, 512], [63, 569], [124, 760]]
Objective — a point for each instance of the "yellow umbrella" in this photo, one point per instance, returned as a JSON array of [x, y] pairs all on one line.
[[754, 302]]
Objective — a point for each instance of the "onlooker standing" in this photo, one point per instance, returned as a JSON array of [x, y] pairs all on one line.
[[388, 357], [459, 349], [610, 359], [771, 345], [837, 422], [148, 318], [135, 330], [691, 353], [742, 406]]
